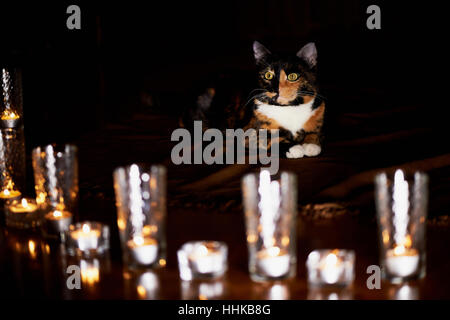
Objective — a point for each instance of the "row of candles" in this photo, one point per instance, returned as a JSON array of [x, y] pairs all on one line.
[[269, 205], [271, 229]]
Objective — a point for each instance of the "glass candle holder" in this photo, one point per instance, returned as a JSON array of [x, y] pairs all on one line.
[[11, 97], [270, 213], [56, 183], [202, 259], [12, 164], [23, 214], [331, 267], [401, 203], [88, 239], [141, 212], [12, 140]]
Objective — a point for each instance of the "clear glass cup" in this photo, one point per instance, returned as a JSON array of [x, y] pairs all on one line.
[[202, 259], [88, 239], [56, 184], [401, 202], [271, 218], [141, 213]]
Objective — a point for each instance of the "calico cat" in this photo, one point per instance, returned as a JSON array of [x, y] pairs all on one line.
[[287, 99]]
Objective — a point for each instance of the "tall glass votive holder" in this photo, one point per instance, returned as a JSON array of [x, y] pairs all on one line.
[[12, 140], [141, 214], [271, 218], [401, 202], [56, 184]]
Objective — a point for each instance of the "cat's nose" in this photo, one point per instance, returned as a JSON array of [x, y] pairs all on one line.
[[274, 99]]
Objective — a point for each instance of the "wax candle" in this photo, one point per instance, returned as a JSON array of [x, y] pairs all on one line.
[[86, 237], [331, 268], [273, 262], [402, 261], [9, 115], [206, 258], [58, 221], [8, 192], [144, 250], [22, 213]]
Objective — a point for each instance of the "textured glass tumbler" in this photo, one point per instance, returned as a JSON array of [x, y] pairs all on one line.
[[271, 218], [401, 203], [56, 184], [12, 140], [11, 97], [141, 213]]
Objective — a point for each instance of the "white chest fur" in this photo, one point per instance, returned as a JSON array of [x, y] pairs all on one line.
[[291, 118]]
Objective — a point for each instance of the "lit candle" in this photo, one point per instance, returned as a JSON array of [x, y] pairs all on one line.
[[25, 205], [58, 221], [9, 192], [331, 268], [86, 237], [402, 261], [143, 250], [22, 214], [9, 115], [206, 258], [273, 262]]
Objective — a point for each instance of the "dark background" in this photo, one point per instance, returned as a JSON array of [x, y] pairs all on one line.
[[76, 80]]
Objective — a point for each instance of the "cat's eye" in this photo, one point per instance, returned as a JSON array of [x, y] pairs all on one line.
[[268, 75], [292, 76]]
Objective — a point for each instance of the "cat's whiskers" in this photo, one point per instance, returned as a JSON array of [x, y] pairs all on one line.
[[255, 97], [310, 93]]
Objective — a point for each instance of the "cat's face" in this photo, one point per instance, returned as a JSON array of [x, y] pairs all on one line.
[[286, 81]]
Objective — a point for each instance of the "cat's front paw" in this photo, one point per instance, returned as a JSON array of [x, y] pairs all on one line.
[[311, 149], [295, 152]]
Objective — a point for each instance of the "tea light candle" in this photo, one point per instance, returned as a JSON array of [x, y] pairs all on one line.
[[206, 258], [330, 267], [202, 259], [22, 214], [58, 221], [143, 250], [273, 262], [402, 261], [8, 193], [9, 118], [86, 237]]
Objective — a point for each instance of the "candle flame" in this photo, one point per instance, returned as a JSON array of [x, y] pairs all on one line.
[[138, 240], [273, 251], [86, 228], [331, 259], [24, 203], [9, 115], [399, 250], [57, 213]]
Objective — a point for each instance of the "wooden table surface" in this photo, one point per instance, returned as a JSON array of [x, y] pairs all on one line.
[[32, 267]]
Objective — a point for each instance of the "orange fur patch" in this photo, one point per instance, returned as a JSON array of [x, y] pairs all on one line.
[[287, 90], [315, 122]]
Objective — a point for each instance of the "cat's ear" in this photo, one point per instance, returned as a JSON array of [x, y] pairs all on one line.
[[309, 54], [261, 53]]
